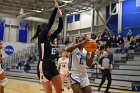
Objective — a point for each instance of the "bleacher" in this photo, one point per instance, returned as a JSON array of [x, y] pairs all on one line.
[[11, 61], [126, 70]]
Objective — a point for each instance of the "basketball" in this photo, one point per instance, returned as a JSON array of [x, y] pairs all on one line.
[[90, 45]]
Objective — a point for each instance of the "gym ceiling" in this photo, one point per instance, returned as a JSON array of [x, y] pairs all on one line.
[[43, 8]]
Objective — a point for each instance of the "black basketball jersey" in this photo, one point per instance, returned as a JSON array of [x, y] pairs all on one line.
[[46, 46]]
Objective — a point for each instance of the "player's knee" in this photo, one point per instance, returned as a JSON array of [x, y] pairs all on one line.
[[76, 91], [4, 82]]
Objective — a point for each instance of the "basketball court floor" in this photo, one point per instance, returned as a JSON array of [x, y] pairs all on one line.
[[23, 86]]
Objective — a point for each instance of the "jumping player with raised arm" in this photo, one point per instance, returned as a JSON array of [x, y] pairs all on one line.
[[46, 69]]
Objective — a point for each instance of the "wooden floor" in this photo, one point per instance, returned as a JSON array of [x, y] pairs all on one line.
[[20, 86]]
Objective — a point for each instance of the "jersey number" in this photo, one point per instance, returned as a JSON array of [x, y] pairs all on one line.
[[53, 51], [81, 61]]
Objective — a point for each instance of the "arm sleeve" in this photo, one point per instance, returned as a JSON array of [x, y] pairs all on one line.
[[46, 27], [111, 58], [58, 30], [51, 20], [110, 62]]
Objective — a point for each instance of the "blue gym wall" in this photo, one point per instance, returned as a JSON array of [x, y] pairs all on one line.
[[130, 17], [113, 22]]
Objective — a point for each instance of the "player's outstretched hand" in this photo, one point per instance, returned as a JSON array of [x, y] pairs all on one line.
[[85, 41], [59, 12], [56, 4]]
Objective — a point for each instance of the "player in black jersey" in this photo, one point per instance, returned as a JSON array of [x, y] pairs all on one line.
[[47, 70]]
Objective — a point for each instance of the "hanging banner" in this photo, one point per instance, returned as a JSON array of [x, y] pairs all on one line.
[[2, 26], [23, 32]]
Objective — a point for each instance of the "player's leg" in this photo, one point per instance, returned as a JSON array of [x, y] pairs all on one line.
[[56, 81], [102, 81], [109, 81], [76, 88], [87, 89], [45, 82], [75, 83], [63, 76], [1, 89], [4, 81], [68, 82], [85, 83], [47, 87]]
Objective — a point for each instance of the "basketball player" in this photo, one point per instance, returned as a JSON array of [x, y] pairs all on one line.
[[3, 79], [63, 66], [79, 60], [47, 70], [105, 65]]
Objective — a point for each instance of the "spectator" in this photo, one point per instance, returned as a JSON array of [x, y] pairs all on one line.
[[113, 41], [127, 44], [26, 63], [27, 66], [93, 36], [30, 59], [67, 40], [110, 54], [129, 34], [33, 57], [138, 40], [132, 43], [120, 40], [20, 63]]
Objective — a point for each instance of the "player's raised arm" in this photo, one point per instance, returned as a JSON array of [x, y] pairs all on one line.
[[89, 59], [74, 46]]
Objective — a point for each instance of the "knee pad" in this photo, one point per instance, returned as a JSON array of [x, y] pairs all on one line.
[[4, 82]]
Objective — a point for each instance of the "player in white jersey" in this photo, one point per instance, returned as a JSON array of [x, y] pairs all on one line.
[[3, 79], [63, 66], [79, 60]]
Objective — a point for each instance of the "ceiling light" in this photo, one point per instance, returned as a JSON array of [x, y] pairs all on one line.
[[42, 9], [67, 1], [38, 11], [67, 14], [36, 19]]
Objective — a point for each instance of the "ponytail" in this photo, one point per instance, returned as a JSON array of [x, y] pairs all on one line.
[[37, 33]]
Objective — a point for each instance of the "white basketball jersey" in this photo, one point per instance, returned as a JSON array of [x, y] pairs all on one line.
[[78, 61], [64, 65]]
